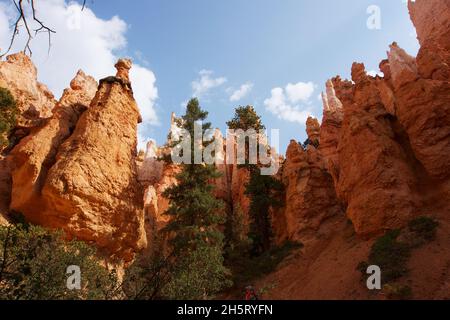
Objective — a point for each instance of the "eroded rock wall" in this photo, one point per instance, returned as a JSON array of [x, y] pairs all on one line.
[[310, 196], [77, 171], [92, 191], [34, 101], [35, 155]]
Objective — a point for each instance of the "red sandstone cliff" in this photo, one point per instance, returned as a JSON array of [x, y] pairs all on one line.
[[383, 158], [35, 102], [385, 141], [77, 171]]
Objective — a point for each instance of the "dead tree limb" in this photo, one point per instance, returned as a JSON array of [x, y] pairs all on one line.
[[22, 23]]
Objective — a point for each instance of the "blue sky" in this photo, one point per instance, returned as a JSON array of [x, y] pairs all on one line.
[[266, 44]]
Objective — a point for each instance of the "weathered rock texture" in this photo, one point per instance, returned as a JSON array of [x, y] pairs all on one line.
[[383, 158], [150, 170], [330, 129], [155, 206], [313, 129], [384, 140], [156, 176], [92, 190], [432, 21], [374, 180], [35, 102], [35, 155], [310, 195], [78, 171]]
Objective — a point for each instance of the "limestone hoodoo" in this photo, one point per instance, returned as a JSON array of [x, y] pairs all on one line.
[[34, 156], [34, 100], [92, 190]]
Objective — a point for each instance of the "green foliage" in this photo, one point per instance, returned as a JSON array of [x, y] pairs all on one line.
[[424, 227], [199, 274], [246, 118], [397, 291], [8, 114], [34, 261], [390, 255], [246, 268], [194, 226], [315, 143], [146, 277], [392, 251], [237, 242], [264, 192]]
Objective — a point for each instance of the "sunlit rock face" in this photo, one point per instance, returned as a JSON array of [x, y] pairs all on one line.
[[310, 198], [34, 101], [333, 115], [78, 171], [375, 180], [34, 156], [151, 169]]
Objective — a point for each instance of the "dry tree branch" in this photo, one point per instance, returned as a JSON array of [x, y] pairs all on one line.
[[22, 19], [42, 27]]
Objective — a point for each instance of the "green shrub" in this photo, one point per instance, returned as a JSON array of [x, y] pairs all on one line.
[[397, 292], [147, 277], [198, 274], [8, 114], [34, 262], [424, 227], [392, 251], [246, 268], [390, 255]]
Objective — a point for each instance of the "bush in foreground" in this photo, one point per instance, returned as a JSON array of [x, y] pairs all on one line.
[[34, 262]]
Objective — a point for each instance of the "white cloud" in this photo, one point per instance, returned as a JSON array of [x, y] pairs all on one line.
[[374, 73], [205, 83], [283, 102], [4, 27], [82, 41], [241, 92], [145, 92], [301, 91]]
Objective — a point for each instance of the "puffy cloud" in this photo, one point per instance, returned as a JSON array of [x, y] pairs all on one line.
[[241, 92], [374, 73], [145, 92], [82, 41], [205, 83], [301, 91], [284, 102]]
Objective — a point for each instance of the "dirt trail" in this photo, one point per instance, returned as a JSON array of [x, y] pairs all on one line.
[[327, 267]]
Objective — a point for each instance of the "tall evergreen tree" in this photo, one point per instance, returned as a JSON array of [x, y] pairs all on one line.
[[264, 191], [197, 241]]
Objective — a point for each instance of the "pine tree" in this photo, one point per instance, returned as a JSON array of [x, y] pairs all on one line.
[[196, 239], [264, 191]]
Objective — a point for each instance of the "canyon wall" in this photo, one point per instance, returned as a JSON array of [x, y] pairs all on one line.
[[76, 171], [382, 154], [385, 141], [34, 100]]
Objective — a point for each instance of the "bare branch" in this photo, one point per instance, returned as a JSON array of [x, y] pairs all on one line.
[[22, 22]]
